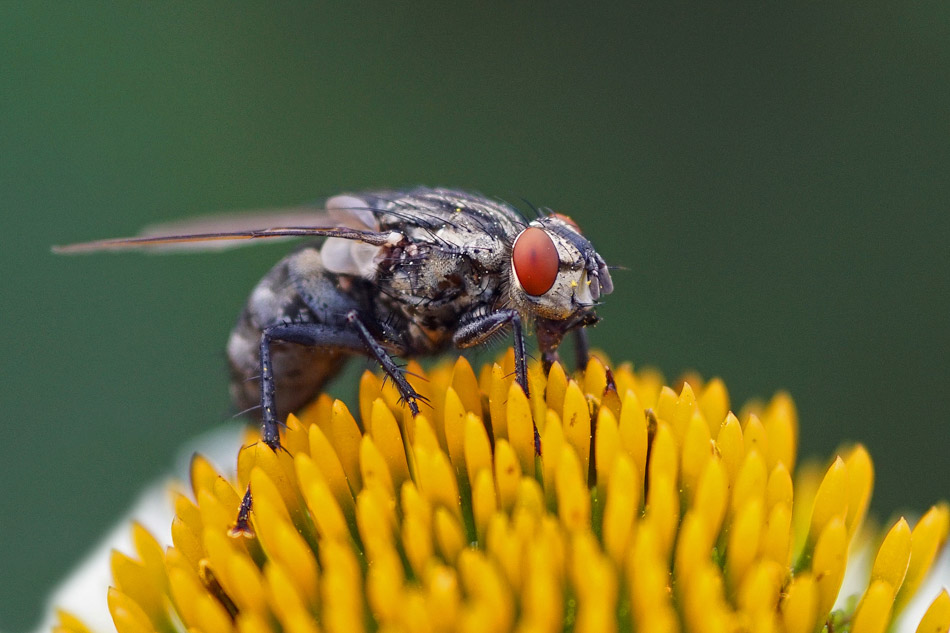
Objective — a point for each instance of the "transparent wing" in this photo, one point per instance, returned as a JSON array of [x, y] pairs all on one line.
[[201, 241], [229, 230]]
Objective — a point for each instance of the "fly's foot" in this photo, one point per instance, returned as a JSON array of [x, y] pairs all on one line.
[[242, 525], [271, 436]]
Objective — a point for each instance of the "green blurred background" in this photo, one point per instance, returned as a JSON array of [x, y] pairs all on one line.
[[774, 178]]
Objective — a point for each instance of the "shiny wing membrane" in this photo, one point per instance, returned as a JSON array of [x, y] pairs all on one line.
[[230, 230], [346, 216]]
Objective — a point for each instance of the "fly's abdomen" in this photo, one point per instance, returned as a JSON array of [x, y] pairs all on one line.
[[300, 371]]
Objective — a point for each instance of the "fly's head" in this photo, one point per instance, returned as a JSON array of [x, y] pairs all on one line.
[[556, 275]]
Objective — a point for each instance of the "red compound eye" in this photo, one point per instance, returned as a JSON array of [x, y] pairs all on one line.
[[535, 259], [567, 220]]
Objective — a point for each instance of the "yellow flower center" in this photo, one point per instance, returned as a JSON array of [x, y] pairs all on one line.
[[650, 509]]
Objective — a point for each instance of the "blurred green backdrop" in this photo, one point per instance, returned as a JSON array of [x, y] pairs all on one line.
[[774, 177]]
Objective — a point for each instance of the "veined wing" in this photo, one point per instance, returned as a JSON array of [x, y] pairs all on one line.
[[342, 218]]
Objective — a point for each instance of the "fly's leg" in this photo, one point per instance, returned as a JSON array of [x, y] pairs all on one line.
[[408, 394], [313, 335], [549, 338], [581, 348], [548, 358], [310, 334], [551, 333], [241, 525], [354, 337], [549, 354], [481, 329]]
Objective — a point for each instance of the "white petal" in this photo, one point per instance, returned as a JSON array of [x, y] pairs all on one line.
[[83, 591], [938, 579], [856, 583], [856, 574]]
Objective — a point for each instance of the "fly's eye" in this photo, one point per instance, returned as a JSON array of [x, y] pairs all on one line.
[[567, 220], [535, 260]]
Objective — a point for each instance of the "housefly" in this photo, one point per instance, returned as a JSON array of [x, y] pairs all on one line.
[[400, 274]]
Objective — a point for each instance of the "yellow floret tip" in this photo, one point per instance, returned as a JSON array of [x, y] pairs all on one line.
[[937, 617], [649, 509]]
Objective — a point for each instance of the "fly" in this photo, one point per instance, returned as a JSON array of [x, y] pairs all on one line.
[[400, 274]]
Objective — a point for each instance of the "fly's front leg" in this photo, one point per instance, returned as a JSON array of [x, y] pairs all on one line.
[[481, 329], [549, 337], [551, 333], [581, 348]]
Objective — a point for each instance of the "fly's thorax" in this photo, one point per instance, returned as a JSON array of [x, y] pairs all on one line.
[[432, 280], [328, 295]]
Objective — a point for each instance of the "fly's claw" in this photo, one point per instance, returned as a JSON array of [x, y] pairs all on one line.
[[241, 528]]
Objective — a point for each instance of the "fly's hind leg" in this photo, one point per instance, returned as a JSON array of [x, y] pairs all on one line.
[[354, 337], [309, 334]]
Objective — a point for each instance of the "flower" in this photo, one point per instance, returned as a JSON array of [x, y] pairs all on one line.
[[651, 509]]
